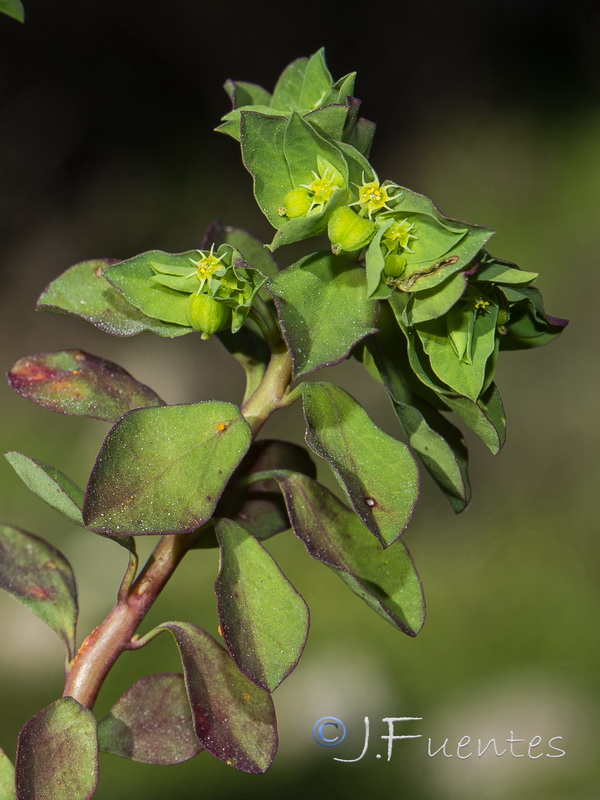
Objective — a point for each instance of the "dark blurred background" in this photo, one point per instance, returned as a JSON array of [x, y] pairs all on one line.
[[106, 149]]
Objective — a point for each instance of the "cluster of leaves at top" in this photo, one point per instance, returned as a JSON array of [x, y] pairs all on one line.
[[412, 294]]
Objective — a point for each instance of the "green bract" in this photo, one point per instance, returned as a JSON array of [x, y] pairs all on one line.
[[163, 287], [412, 294]]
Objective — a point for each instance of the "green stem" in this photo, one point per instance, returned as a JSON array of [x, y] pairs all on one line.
[[104, 645]]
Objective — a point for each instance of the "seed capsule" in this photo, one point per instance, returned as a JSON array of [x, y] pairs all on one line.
[[296, 203], [394, 265], [349, 232], [207, 315]]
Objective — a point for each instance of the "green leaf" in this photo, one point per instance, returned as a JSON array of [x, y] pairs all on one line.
[[7, 778], [385, 579], [264, 620], [258, 505], [83, 291], [496, 271], [439, 444], [55, 488], [529, 325], [13, 8], [50, 484], [151, 723], [465, 376], [162, 470], [262, 152], [243, 93], [79, 384], [234, 719], [433, 303], [133, 278], [485, 417], [252, 249], [286, 95], [57, 754], [324, 310], [378, 473], [39, 576]]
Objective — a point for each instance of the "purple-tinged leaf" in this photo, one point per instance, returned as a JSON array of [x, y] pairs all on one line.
[[7, 777], [234, 719], [378, 473], [386, 579], [264, 620], [83, 291], [259, 506], [152, 723], [79, 384], [40, 577], [163, 470], [57, 754]]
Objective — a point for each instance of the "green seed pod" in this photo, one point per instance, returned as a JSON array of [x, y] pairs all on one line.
[[207, 315], [394, 265], [347, 231], [296, 203]]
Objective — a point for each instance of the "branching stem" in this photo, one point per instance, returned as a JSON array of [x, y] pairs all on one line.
[[100, 650]]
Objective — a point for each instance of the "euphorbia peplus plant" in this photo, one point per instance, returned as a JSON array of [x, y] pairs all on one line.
[[412, 294]]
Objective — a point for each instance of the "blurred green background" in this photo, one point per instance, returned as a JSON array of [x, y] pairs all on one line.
[[106, 112]]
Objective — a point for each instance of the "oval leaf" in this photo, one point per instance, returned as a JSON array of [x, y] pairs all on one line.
[[83, 291], [57, 754], [264, 620], [79, 384], [151, 723], [259, 506], [324, 309], [162, 470], [234, 719], [49, 484], [378, 473], [41, 578], [7, 778], [385, 579], [56, 489]]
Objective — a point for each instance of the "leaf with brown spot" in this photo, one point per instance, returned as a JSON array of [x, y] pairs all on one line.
[[151, 723], [57, 754], [385, 578], [377, 472], [162, 470], [39, 576], [79, 384]]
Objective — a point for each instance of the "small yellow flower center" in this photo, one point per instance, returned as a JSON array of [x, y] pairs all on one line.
[[207, 265], [399, 234], [480, 304], [372, 197]]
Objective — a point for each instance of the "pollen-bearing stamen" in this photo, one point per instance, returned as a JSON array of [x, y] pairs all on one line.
[[327, 180], [207, 265], [372, 197]]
